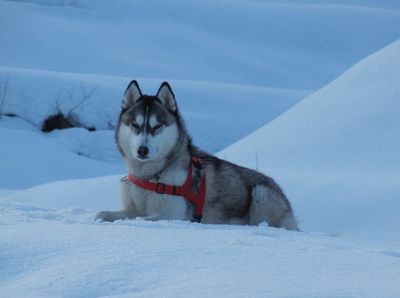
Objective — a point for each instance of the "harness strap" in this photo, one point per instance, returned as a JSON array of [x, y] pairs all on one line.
[[184, 190]]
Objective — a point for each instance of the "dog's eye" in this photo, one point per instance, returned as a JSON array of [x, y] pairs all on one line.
[[157, 126], [134, 124]]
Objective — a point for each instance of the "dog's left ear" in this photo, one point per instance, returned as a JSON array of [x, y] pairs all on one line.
[[132, 94], [167, 97]]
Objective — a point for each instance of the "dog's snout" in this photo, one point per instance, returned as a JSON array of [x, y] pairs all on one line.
[[143, 151]]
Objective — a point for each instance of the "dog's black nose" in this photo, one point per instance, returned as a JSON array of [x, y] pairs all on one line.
[[143, 151]]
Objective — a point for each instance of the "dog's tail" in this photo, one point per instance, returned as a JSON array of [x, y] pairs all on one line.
[[271, 206]]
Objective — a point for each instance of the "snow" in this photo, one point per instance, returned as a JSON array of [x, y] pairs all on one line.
[[264, 43], [90, 193], [336, 153], [63, 253], [320, 79], [34, 95], [29, 159]]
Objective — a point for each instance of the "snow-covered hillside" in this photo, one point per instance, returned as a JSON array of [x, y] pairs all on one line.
[[93, 101], [337, 152], [234, 65], [280, 44], [221, 56]]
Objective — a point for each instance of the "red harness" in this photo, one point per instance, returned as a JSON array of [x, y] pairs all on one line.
[[183, 191]]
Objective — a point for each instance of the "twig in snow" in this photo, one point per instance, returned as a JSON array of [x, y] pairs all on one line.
[[85, 96], [4, 94], [256, 159]]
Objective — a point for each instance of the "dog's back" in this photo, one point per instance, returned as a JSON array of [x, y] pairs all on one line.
[[236, 194]]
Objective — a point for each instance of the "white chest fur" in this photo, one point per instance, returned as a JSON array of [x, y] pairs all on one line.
[[155, 206]]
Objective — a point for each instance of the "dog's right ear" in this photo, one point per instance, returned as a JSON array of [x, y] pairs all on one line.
[[132, 94]]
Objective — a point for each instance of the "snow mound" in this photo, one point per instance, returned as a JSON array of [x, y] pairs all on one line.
[[93, 101], [30, 158], [91, 194], [263, 43], [63, 252], [337, 152]]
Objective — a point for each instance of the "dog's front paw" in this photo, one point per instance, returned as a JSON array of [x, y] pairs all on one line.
[[103, 216], [110, 215]]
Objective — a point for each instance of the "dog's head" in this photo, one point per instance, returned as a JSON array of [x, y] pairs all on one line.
[[148, 125]]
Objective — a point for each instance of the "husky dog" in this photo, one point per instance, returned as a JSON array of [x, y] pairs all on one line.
[[171, 179]]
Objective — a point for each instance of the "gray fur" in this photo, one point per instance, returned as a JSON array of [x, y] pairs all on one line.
[[235, 195]]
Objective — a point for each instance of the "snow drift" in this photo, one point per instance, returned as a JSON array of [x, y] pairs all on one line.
[[280, 44], [337, 152]]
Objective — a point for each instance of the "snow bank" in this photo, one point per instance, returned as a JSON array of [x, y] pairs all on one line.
[[29, 158], [337, 152], [94, 101], [92, 194], [217, 55], [290, 44], [64, 253]]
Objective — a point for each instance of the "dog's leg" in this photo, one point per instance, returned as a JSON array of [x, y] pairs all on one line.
[[153, 217], [289, 222], [268, 205], [130, 210], [110, 215]]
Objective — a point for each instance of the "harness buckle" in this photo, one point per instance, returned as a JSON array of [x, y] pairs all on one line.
[[162, 190]]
